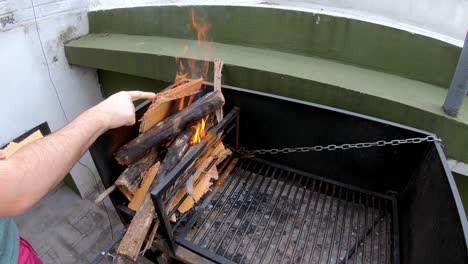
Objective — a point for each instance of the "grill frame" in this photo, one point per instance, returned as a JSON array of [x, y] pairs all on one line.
[[206, 252], [450, 219]]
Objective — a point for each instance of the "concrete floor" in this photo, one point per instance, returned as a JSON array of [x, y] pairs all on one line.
[[63, 228]]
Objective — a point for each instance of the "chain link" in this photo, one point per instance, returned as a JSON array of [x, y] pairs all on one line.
[[380, 143]]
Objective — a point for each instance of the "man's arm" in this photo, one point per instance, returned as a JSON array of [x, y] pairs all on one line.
[[33, 171]]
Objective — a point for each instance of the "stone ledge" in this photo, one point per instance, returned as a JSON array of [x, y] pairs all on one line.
[[313, 79]]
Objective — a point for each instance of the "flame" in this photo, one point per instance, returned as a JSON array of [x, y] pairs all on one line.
[[200, 131], [195, 69]]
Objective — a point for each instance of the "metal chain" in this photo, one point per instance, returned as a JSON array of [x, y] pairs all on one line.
[[380, 143]]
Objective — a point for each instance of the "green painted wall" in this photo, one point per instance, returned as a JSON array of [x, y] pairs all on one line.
[[450, 130], [352, 41]]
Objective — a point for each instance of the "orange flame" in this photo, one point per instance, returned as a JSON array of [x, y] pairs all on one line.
[[195, 69], [200, 131]]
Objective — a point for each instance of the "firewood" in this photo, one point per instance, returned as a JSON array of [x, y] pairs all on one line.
[[137, 230], [14, 147], [175, 153], [104, 194], [197, 167], [145, 185], [149, 243], [226, 172], [218, 67], [129, 181], [199, 189], [167, 128], [162, 104]]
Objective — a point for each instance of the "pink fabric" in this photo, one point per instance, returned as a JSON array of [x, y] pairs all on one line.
[[27, 254]]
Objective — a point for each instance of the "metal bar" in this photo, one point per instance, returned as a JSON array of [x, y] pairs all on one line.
[[199, 212], [285, 222], [255, 212], [311, 225], [303, 220], [372, 234], [251, 185], [226, 203], [287, 218], [322, 213], [459, 86], [361, 239], [203, 251], [295, 221], [109, 247], [351, 225], [388, 255], [363, 243], [380, 240], [238, 129], [332, 182], [343, 222], [207, 199], [396, 236], [358, 232], [165, 222], [246, 198], [279, 217], [189, 158], [327, 225], [330, 251], [268, 222]]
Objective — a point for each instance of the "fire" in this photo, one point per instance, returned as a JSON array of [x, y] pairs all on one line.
[[193, 68], [200, 131]]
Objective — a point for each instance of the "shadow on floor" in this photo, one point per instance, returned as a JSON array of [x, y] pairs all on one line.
[[63, 228]]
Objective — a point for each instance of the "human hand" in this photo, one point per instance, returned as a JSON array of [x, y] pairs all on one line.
[[118, 110]]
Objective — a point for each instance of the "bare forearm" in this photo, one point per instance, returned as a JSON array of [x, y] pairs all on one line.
[[41, 165], [33, 171]]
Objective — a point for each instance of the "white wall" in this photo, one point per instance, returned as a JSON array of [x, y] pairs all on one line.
[[32, 59], [446, 20], [27, 91]]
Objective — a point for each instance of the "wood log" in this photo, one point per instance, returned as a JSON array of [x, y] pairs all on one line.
[[175, 153], [14, 147], [104, 194], [218, 67], [199, 189], [149, 243], [214, 156], [167, 128], [137, 230], [162, 104], [227, 171], [129, 181], [145, 186]]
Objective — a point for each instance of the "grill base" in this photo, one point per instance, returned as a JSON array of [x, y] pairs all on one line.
[[267, 213]]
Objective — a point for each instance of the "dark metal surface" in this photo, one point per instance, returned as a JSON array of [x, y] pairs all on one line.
[[255, 217], [429, 222]]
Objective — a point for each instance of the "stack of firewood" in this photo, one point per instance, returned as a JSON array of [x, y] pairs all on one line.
[[169, 129]]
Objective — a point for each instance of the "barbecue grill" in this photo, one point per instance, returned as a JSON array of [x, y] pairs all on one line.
[[391, 204]]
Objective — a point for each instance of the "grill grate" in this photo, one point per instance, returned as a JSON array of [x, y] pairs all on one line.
[[266, 213]]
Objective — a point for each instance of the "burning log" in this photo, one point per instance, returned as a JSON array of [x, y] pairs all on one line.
[[129, 181], [162, 104], [154, 137]]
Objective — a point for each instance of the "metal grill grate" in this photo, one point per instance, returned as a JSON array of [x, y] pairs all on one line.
[[265, 213]]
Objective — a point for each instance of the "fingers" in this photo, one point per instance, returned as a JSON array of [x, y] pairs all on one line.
[[2, 155], [135, 95]]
